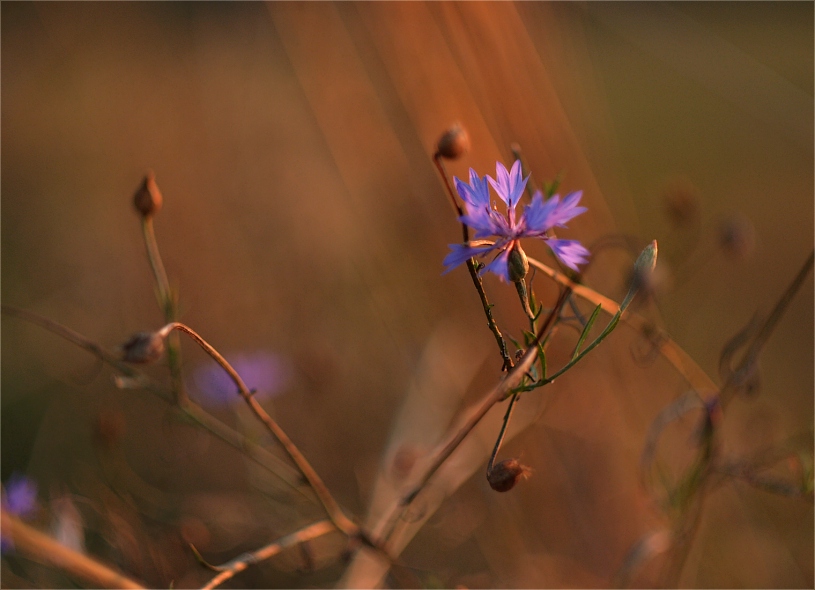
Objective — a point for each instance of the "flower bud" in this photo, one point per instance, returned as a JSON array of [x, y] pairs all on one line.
[[144, 347], [643, 268], [148, 199], [454, 143], [518, 263], [505, 475]]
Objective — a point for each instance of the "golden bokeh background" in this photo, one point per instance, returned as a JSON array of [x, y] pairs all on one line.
[[303, 217]]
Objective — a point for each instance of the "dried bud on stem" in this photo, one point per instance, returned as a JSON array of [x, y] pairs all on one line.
[[505, 475], [143, 347], [148, 199], [454, 143]]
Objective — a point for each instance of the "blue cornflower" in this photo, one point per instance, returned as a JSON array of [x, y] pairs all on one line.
[[536, 219], [20, 499], [263, 371]]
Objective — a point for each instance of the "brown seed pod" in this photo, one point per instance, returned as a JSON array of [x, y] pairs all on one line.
[[148, 199], [143, 347], [505, 475], [454, 143]]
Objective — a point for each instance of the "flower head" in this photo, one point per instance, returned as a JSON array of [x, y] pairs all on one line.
[[19, 498], [535, 220], [263, 371]]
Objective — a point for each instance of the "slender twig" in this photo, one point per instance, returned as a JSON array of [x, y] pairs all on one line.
[[38, 546], [773, 485], [240, 563], [681, 361], [79, 340], [189, 409], [169, 307], [727, 392], [503, 432], [479, 286], [766, 329], [443, 451], [335, 513], [156, 264]]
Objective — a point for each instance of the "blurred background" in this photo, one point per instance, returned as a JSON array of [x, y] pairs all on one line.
[[304, 226]]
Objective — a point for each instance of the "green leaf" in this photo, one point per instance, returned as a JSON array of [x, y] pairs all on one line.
[[586, 331], [515, 342], [529, 337], [542, 358]]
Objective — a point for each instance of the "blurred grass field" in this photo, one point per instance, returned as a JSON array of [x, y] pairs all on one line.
[[303, 217]]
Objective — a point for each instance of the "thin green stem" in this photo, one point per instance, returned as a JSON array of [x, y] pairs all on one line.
[[498, 393], [502, 433], [167, 302]]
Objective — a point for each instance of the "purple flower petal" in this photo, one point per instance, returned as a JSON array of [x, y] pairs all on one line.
[[509, 185], [477, 193], [567, 209], [570, 252], [461, 253], [500, 264], [537, 216], [20, 497], [263, 371]]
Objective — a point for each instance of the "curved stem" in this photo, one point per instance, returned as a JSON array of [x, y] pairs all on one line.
[[44, 549], [235, 439], [237, 565], [168, 304], [503, 432], [335, 513]]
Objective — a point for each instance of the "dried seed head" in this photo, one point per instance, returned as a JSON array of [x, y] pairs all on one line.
[[518, 263], [737, 236], [505, 475], [144, 347], [148, 199], [454, 143]]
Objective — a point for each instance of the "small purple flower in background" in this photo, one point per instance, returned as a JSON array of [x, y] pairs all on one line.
[[19, 499], [263, 371], [536, 219]]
